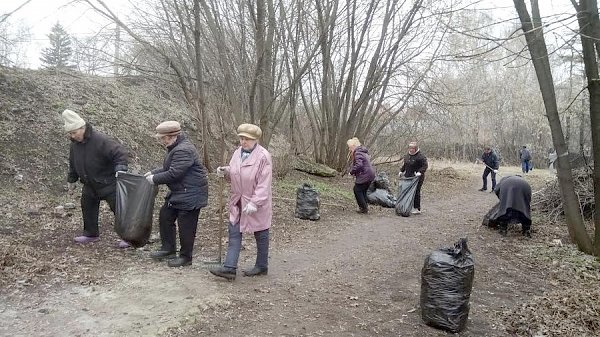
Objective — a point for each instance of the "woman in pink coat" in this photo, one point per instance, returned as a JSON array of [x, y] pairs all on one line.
[[250, 206]]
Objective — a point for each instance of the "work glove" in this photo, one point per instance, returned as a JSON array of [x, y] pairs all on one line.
[[150, 178], [400, 174], [249, 209], [221, 171], [418, 174], [495, 171], [117, 173], [147, 174]]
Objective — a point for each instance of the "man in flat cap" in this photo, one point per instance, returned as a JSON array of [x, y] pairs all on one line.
[[185, 176], [250, 172], [94, 159]]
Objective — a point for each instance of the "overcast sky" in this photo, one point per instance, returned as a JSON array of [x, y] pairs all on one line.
[[79, 22]]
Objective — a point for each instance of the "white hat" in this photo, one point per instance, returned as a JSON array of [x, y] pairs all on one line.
[[72, 120]]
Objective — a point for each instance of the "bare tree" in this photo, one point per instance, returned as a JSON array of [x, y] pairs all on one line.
[[534, 34]]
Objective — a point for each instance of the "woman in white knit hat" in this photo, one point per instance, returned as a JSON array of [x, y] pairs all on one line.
[[94, 159]]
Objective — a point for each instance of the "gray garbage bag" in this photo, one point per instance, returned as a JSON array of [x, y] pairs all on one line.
[[446, 283], [382, 198], [381, 181], [307, 203], [134, 208], [406, 195]]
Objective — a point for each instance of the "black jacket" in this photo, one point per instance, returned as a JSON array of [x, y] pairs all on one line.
[[185, 176], [414, 163], [491, 160], [95, 160]]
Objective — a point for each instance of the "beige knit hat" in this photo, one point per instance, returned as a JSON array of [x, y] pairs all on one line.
[[72, 120]]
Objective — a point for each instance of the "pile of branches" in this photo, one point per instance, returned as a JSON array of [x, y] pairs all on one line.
[[549, 201]]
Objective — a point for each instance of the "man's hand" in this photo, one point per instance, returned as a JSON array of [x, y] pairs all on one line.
[[147, 174], [418, 174], [221, 171], [117, 173], [249, 209], [400, 174], [495, 171], [150, 178]]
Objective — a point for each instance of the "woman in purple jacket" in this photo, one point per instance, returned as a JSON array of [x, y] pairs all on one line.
[[362, 171]]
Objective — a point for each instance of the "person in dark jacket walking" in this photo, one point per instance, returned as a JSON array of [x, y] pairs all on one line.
[[491, 162], [362, 171], [94, 159], [515, 204], [415, 165], [525, 158], [186, 178]]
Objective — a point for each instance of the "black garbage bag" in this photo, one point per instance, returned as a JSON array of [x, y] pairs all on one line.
[[489, 219], [382, 181], [307, 203], [446, 283], [381, 197], [134, 207], [406, 195]]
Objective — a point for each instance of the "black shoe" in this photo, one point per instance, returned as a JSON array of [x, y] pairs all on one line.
[[492, 191], [180, 262], [225, 272], [503, 232], [256, 271], [482, 189], [362, 211], [163, 254]]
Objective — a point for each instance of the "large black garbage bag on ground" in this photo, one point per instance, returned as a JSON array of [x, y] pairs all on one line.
[[446, 282], [406, 195], [307, 203], [381, 181], [381, 197], [134, 207]]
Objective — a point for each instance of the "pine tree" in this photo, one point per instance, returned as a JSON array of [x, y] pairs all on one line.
[[58, 55]]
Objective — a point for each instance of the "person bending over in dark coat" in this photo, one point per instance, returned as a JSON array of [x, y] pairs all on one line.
[[186, 178], [515, 204], [94, 159], [415, 165], [362, 171]]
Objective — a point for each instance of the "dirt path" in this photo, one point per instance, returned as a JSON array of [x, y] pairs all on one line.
[[352, 276]]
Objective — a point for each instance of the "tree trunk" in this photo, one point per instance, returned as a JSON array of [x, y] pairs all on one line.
[[587, 16], [539, 55]]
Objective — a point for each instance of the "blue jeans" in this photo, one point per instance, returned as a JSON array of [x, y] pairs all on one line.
[[235, 245], [525, 166]]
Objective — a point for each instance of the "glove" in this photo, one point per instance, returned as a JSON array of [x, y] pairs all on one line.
[[221, 171], [117, 173], [495, 171], [249, 209], [147, 174], [418, 174], [400, 174], [150, 178]]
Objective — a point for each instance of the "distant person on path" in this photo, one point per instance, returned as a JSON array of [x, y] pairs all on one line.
[[415, 165], [515, 204], [250, 172], [362, 171], [94, 159], [525, 158], [186, 178], [491, 162]]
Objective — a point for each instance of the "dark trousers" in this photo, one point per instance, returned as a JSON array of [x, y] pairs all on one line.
[[417, 202], [235, 245], [486, 172], [187, 222], [360, 193], [514, 216], [90, 209]]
